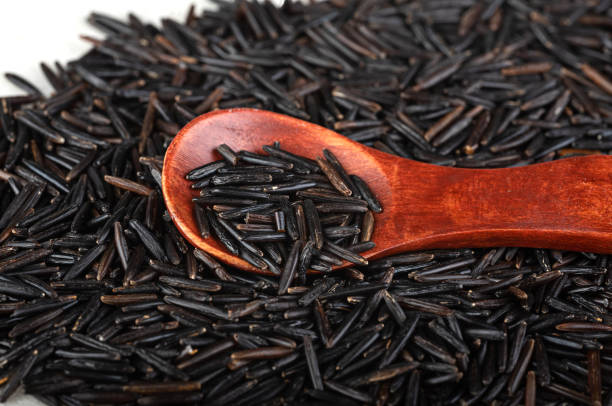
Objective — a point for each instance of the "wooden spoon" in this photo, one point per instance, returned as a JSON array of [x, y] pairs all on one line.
[[565, 204]]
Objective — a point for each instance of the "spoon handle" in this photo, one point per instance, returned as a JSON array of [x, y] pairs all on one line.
[[565, 204]]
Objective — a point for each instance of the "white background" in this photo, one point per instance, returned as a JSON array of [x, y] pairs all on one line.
[[35, 31]]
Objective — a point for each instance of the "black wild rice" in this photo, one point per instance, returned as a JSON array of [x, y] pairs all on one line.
[[102, 301], [260, 186]]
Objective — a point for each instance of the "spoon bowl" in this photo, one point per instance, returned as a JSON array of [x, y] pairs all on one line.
[[565, 204]]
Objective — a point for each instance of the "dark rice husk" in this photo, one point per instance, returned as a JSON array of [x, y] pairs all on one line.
[[103, 301]]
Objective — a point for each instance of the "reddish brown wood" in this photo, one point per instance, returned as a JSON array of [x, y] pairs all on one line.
[[566, 204]]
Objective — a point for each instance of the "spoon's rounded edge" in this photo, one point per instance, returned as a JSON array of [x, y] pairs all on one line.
[[172, 175], [268, 123]]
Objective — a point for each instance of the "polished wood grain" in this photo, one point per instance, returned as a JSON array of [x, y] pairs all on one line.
[[565, 204]]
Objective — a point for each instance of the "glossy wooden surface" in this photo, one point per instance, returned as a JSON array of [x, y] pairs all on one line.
[[565, 204]]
